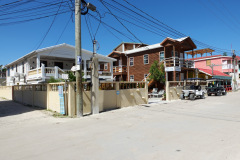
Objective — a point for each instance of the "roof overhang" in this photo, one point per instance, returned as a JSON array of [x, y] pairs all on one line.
[[141, 49]]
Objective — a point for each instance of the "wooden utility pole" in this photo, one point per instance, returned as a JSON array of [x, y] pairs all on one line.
[[78, 59]]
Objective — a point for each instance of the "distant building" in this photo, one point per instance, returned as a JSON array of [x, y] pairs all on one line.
[[217, 66]]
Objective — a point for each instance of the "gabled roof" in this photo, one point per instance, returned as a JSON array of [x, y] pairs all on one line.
[[215, 72], [186, 41], [162, 44], [33, 53]]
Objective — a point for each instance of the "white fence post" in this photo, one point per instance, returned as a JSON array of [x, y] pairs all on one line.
[[56, 72]]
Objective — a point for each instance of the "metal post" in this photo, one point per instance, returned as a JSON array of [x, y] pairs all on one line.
[[95, 82], [78, 59], [234, 71]]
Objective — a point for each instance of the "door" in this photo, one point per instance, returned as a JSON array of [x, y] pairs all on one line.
[[59, 64], [182, 76]]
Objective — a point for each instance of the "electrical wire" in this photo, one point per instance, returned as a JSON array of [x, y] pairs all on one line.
[[120, 22], [50, 26]]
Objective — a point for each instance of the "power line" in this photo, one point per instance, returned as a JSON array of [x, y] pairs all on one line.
[[50, 26], [120, 22], [176, 33]]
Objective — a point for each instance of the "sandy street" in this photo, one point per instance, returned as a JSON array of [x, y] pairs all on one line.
[[181, 130]]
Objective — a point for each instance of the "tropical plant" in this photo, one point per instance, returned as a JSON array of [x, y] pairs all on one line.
[[157, 72]]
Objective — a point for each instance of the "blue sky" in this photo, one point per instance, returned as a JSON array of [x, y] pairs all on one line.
[[214, 22]]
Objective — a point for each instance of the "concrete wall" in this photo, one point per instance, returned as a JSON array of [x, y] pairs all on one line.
[[48, 97], [6, 92]]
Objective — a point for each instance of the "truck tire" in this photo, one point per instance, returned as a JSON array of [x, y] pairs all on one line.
[[218, 93], [224, 93], [202, 96], [182, 97], [192, 96]]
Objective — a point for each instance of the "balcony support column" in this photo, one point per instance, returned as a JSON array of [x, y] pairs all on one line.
[[111, 69], [38, 62], [85, 69], [56, 72], [43, 72]]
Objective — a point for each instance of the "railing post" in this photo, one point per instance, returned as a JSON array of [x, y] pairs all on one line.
[[174, 63], [56, 72]]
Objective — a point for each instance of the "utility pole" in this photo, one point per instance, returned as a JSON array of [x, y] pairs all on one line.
[[78, 59], [95, 82], [234, 71]]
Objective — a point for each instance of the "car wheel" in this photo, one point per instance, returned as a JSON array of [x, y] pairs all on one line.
[[192, 96], [218, 93], [224, 93], [182, 97]]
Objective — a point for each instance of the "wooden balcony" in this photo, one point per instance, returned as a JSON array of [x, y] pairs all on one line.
[[118, 70], [176, 64]]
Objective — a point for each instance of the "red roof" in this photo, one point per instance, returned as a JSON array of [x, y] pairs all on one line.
[[238, 57], [215, 73]]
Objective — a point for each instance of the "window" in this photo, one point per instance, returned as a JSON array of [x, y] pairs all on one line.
[[176, 54], [16, 67], [145, 59], [131, 78], [12, 67], [105, 66], [22, 67], [131, 61], [208, 62], [161, 56]]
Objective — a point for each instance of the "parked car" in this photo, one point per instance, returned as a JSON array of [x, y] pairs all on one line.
[[216, 87], [193, 91]]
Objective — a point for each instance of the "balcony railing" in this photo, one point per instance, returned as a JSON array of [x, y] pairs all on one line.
[[119, 69], [45, 72], [178, 62]]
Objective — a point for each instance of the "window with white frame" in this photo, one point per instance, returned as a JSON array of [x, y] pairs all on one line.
[[161, 56], [105, 66], [131, 61], [145, 59], [131, 78]]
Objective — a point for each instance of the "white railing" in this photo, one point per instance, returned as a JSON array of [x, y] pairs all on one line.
[[45, 72], [177, 62]]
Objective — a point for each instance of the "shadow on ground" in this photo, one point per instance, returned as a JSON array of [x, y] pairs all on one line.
[[10, 108]]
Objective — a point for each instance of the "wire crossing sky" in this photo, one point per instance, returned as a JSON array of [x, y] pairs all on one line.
[[29, 24]]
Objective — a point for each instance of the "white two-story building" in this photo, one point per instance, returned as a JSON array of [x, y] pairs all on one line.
[[39, 65]]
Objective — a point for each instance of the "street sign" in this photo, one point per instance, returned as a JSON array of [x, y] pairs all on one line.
[[118, 92], [79, 60], [65, 76], [61, 98]]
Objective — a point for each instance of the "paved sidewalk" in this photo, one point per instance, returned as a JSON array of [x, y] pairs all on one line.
[[181, 130]]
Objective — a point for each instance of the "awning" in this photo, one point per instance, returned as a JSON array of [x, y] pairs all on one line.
[[223, 77]]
